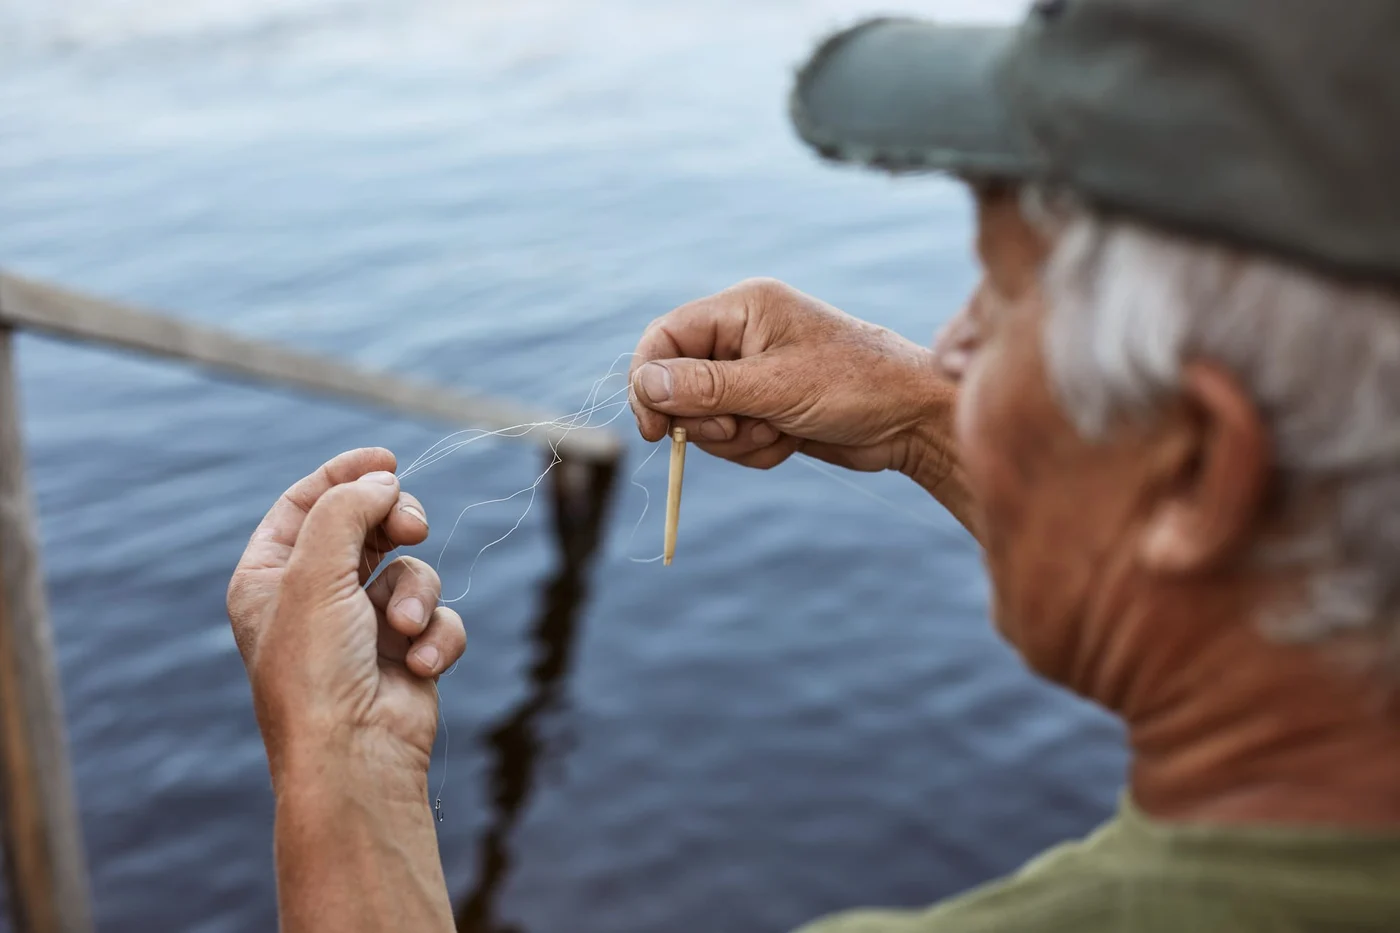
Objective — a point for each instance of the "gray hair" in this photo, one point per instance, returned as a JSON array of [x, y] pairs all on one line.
[[1129, 304]]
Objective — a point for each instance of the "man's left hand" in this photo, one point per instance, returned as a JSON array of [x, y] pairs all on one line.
[[338, 668]]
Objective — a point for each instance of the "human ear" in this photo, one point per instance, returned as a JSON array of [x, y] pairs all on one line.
[[1211, 474], [955, 343]]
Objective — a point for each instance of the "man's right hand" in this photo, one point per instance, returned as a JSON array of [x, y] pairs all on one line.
[[760, 371]]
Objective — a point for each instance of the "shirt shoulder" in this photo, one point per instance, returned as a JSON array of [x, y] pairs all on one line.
[[1056, 893], [1094, 886]]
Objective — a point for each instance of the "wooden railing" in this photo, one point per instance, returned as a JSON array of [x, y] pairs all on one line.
[[44, 861]]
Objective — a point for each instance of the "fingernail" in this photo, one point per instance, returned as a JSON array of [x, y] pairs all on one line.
[[764, 434], [387, 479], [712, 430], [427, 656], [413, 513], [412, 607], [656, 382]]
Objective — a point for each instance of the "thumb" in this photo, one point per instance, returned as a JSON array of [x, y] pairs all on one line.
[[332, 540], [694, 388]]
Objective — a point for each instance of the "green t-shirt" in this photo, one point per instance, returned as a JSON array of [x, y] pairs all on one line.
[[1138, 875]]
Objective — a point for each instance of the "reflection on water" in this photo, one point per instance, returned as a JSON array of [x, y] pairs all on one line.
[[517, 745]]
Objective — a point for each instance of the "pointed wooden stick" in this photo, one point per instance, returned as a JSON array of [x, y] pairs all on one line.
[[673, 493]]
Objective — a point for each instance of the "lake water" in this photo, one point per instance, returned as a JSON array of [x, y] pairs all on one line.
[[807, 712]]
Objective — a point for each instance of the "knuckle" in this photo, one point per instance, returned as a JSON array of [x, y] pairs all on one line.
[[341, 504], [336, 499], [763, 288], [422, 573], [707, 385], [649, 345], [448, 631], [456, 634], [768, 298]]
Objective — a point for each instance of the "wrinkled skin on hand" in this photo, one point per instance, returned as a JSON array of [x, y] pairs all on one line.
[[333, 664], [761, 371]]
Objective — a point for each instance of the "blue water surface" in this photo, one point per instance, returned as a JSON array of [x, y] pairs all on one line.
[[807, 712]]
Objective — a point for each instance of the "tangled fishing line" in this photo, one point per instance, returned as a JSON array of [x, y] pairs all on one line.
[[608, 409]]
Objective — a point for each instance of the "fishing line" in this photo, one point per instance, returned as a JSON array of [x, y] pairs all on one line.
[[831, 474], [446, 740], [581, 419], [531, 489], [646, 504]]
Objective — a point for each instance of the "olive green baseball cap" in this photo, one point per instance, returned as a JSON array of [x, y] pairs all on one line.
[[1270, 124]]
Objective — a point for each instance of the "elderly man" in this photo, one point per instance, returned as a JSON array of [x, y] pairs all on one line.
[[1170, 414]]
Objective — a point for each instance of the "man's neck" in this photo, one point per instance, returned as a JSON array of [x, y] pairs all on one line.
[[1228, 727]]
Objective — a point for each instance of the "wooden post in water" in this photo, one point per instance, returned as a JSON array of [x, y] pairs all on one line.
[[519, 743], [581, 491], [43, 845]]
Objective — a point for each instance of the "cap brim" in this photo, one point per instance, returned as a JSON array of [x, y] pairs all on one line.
[[905, 95]]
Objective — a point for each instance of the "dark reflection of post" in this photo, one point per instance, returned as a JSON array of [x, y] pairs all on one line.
[[581, 493]]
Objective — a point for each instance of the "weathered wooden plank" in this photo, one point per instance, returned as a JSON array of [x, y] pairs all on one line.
[[25, 303], [42, 835]]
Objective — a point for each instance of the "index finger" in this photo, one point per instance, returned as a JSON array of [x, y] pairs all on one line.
[[330, 547], [711, 328], [272, 542]]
